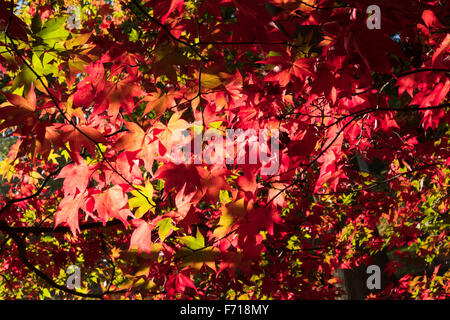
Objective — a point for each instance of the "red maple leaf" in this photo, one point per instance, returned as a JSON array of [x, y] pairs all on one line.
[[141, 239]]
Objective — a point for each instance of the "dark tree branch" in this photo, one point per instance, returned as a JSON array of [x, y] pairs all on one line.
[[376, 184], [36, 193], [169, 33], [21, 247], [56, 103], [61, 229]]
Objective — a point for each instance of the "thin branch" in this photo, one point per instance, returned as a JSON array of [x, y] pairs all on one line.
[[56, 103], [62, 229], [21, 247], [169, 33], [376, 184], [36, 193]]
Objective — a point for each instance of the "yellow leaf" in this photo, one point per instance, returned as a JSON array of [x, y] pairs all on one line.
[[142, 200], [230, 212], [77, 41], [210, 81], [196, 259]]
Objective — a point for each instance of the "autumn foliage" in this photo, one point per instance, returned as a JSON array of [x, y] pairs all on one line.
[[93, 100]]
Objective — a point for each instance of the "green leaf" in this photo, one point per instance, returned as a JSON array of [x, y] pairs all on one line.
[[53, 31], [224, 197], [134, 35], [194, 243], [37, 64], [46, 293], [215, 124], [142, 200], [77, 40], [164, 227], [200, 238]]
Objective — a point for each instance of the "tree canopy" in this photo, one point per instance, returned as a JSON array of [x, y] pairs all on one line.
[[349, 108]]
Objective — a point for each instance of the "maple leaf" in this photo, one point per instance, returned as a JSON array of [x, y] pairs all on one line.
[[67, 212], [141, 239], [90, 85], [142, 199], [389, 122], [373, 53], [176, 175], [19, 111], [136, 139], [265, 218], [80, 136], [194, 243], [117, 95], [113, 203], [165, 228], [127, 164], [20, 102], [184, 202], [166, 59], [16, 27], [285, 69], [406, 84], [277, 198], [247, 181], [182, 281], [432, 97], [131, 140], [76, 178], [174, 4], [305, 145], [160, 101], [212, 181], [212, 78], [172, 133], [15, 115]]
